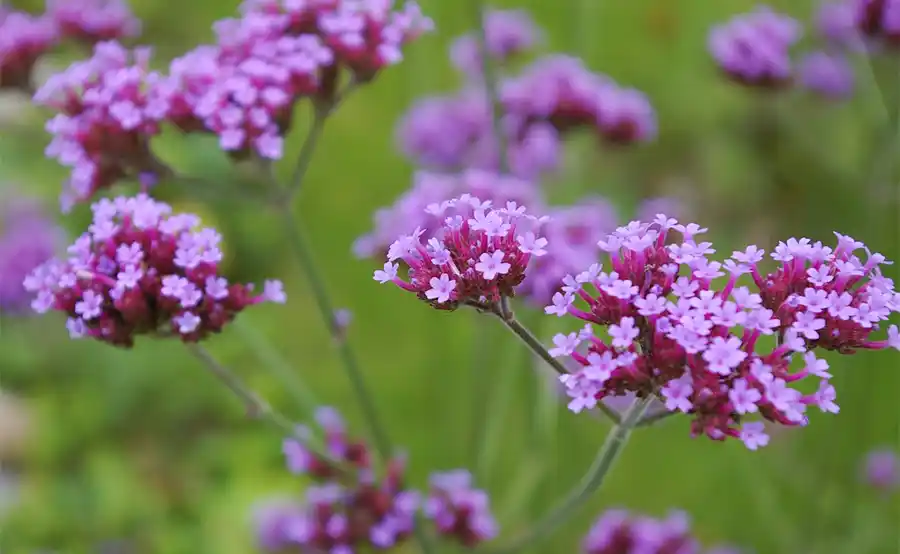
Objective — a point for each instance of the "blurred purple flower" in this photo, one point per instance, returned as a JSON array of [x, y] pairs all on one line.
[[508, 33], [93, 21], [459, 510], [28, 238], [754, 48], [24, 38], [877, 19], [829, 75], [882, 469], [650, 207], [620, 532], [273, 520], [836, 22]]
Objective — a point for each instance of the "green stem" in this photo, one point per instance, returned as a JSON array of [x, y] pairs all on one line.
[[256, 407], [535, 345], [323, 301], [590, 483]]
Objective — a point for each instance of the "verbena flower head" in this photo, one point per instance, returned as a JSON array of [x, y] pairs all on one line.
[[671, 332], [877, 19], [94, 21], [142, 269], [410, 210], [23, 40], [836, 23], [273, 520], [881, 470], [560, 90], [344, 513], [109, 109], [459, 510], [28, 238], [621, 532], [508, 33], [478, 256], [828, 75], [754, 48]]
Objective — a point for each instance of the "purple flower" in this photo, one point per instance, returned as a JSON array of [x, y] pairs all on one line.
[[93, 21], [27, 239], [276, 522], [877, 19], [829, 75], [754, 48], [882, 470], [620, 532], [142, 269], [699, 342], [508, 32], [458, 510], [23, 40], [836, 22]]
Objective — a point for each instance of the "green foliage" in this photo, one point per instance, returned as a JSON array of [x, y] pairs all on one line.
[[142, 446]]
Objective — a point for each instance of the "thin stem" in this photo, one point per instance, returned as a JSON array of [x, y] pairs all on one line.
[[489, 72], [320, 115], [590, 483], [323, 301], [256, 407], [535, 345], [654, 418]]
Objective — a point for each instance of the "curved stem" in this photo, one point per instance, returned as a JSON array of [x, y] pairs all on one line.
[[323, 301], [535, 345], [590, 483]]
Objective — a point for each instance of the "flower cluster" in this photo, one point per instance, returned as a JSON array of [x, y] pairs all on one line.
[[344, 513], [24, 38], [672, 333], [242, 89], [620, 532], [754, 49], [93, 21], [877, 19], [28, 238], [508, 33], [459, 510], [109, 108], [881, 470], [478, 256], [142, 269]]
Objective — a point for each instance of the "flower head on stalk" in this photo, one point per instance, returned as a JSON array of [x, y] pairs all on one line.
[[142, 269], [93, 21], [507, 32], [877, 20], [478, 256], [28, 238], [459, 510], [672, 332], [754, 48], [109, 108], [345, 512], [828, 75], [24, 38], [621, 532]]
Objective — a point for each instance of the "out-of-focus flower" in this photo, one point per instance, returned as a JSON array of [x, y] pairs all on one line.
[[828, 75], [836, 22], [23, 40], [28, 238], [881, 470], [877, 19], [648, 208], [142, 269], [754, 48], [273, 520], [343, 512], [109, 109], [620, 532], [508, 33], [563, 92], [458, 509], [675, 335], [478, 256], [93, 21]]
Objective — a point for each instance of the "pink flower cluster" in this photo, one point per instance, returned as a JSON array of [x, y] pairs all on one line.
[[459, 510], [877, 19], [243, 89], [508, 33], [344, 513], [24, 38], [109, 108], [92, 21], [478, 256], [620, 532], [142, 269], [671, 332]]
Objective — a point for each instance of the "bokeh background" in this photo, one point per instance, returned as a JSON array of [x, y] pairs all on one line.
[[141, 451]]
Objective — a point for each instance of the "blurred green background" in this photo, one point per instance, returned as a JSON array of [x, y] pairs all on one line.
[[142, 447]]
